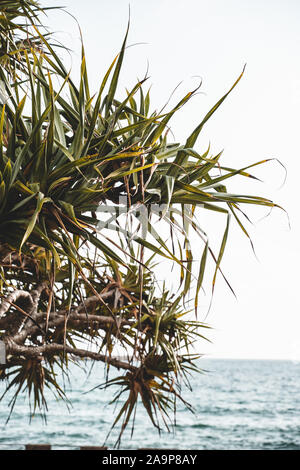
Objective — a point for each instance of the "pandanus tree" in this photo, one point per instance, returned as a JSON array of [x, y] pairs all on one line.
[[88, 184]]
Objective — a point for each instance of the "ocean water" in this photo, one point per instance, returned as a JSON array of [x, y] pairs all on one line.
[[239, 404]]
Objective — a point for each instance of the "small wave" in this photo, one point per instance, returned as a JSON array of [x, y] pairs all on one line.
[[194, 426], [282, 446]]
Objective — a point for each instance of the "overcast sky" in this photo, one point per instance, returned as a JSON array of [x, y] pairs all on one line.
[[213, 39]]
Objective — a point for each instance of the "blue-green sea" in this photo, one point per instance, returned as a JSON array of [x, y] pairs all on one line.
[[239, 404]]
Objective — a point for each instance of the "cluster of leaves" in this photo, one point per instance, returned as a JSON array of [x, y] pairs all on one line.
[[66, 158]]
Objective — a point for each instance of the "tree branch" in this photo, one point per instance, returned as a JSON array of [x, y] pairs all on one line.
[[51, 349], [73, 319], [12, 298]]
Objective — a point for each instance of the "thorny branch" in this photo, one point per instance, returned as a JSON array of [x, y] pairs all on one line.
[[35, 323]]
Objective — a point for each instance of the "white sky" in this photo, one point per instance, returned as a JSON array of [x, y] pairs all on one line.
[[213, 39]]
